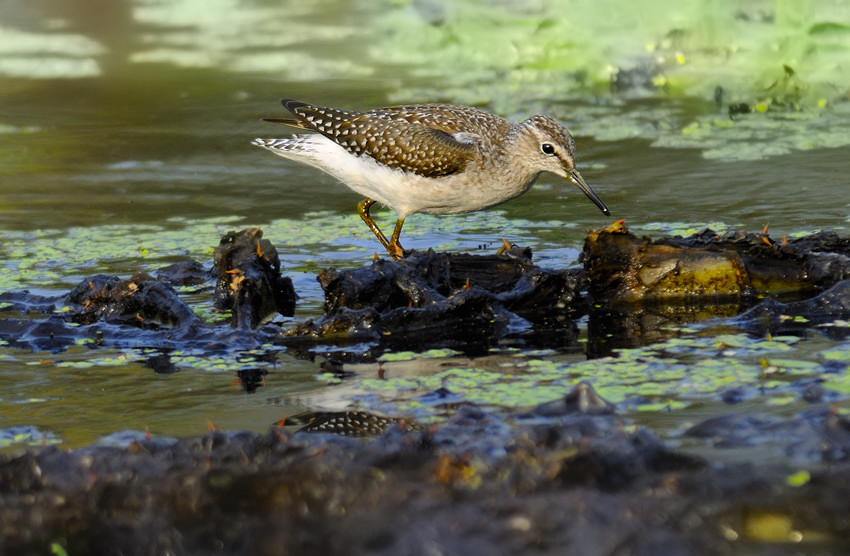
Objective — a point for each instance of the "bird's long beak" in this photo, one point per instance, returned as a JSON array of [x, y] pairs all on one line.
[[576, 178]]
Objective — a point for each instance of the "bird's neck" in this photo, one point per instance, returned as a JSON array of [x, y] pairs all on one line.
[[513, 154]]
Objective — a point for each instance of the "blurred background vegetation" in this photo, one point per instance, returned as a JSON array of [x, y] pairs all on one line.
[[787, 57]]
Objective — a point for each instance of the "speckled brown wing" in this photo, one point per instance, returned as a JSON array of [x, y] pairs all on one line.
[[396, 137]]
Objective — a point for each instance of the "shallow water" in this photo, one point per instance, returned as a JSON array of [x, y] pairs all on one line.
[[125, 146]]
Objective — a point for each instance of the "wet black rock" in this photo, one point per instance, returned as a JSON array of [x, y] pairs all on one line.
[[624, 268], [739, 394], [438, 299], [139, 301], [531, 292], [48, 334], [251, 379], [815, 261], [643, 289], [249, 283], [461, 301], [640, 78], [185, 273], [26, 302]]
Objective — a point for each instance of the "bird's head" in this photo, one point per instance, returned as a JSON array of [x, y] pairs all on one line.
[[547, 146]]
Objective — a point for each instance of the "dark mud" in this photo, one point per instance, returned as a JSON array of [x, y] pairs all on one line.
[[577, 484]]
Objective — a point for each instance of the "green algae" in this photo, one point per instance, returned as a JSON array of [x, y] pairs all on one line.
[[31, 259], [669, 376], [792, 366], [199, 359], [88, 359], [781, 400], [411, 355], [329, 378], [837, 354], [785, 64], [669, 405], [24, 435], [684, 229], [840, 385], [798, 479]]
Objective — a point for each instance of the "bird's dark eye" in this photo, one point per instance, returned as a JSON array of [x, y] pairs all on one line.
[[547, 148]]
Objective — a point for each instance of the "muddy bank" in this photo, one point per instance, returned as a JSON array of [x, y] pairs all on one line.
[[476, 484]]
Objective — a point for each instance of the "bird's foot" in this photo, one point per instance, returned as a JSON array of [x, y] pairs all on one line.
[[506, 246], [395, 250]]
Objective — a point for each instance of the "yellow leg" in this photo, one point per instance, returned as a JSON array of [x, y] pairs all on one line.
[[395, 248], [392, 245], [506, 246]]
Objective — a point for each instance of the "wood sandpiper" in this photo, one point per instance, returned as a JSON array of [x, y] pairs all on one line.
[[432, 158]]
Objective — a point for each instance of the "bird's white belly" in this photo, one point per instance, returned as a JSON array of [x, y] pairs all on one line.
[[404, 192]]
